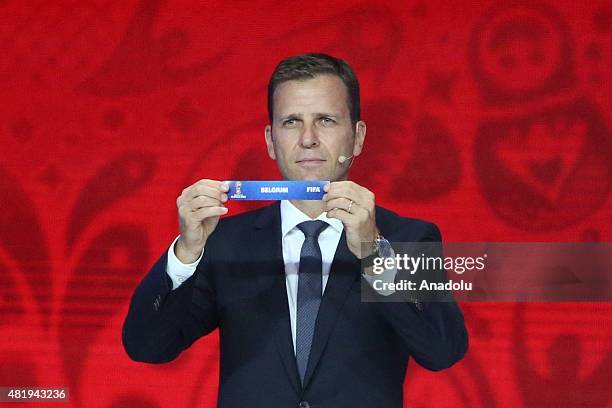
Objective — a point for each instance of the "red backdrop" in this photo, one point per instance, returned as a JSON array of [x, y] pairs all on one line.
[[490, 119]]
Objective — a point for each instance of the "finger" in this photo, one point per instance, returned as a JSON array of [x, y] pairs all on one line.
[[342, 215], [211, 183], [208, 191], [336, 187], [337, 193], [340, 202], [360, 195], [203, 201], [365, 200], [208, 212], [214, 184], [189, 199], [347, 189], [359, 213]]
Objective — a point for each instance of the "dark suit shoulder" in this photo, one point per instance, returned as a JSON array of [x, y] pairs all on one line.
[[392, 224]]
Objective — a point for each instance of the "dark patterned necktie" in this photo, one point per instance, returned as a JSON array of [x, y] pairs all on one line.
[[309, 291]]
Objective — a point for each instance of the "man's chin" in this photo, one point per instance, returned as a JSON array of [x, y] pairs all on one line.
[[307, 176], [311, 177], [316, 175]]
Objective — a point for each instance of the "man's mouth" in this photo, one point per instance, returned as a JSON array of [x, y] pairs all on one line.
[[309, 162]]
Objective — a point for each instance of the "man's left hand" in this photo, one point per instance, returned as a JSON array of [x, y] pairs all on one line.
[[354, 206]]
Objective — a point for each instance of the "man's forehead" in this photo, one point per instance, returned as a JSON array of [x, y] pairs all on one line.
[[299, 115], [322, 94], [321, 82]]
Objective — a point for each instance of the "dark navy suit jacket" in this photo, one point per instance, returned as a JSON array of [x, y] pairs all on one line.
[[360, 350]]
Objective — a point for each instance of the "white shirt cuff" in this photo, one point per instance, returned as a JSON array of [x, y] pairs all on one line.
[[178, 271]]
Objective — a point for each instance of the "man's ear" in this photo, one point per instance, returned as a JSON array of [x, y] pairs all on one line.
[[360, 134], [270, 142]]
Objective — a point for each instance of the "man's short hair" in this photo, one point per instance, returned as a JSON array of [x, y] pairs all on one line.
[[308, 66]]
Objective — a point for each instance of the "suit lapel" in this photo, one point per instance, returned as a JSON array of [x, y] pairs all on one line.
[[268, 256], [342, 275]]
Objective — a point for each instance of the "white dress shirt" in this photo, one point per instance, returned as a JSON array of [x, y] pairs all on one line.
[[292, 240]]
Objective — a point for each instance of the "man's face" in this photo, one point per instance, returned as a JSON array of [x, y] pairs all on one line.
[[311, 128]]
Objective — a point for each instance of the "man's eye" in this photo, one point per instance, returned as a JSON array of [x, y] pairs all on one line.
[[327, 121], [289, 122]]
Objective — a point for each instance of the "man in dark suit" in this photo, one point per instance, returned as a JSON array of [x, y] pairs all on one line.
[[283, 283]]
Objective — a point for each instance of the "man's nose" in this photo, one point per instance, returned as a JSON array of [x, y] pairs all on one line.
[[309, 137]]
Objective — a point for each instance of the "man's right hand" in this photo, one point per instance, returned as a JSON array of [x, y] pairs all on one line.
[[199, 208]]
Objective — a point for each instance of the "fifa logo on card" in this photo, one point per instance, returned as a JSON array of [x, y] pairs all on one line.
[[238, 190], [313, 189]]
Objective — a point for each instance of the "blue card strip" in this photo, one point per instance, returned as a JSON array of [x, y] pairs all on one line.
[[276, 190]]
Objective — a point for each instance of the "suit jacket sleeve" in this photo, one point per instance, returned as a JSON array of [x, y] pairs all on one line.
[[162, 322], [434, 333]]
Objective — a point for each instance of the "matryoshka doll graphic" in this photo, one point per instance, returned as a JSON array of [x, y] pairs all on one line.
[[542, 150]]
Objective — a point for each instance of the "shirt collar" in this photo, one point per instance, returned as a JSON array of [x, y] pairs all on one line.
[[291, 216]]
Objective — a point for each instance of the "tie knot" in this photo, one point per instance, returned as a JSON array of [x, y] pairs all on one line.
[[312, 229]]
